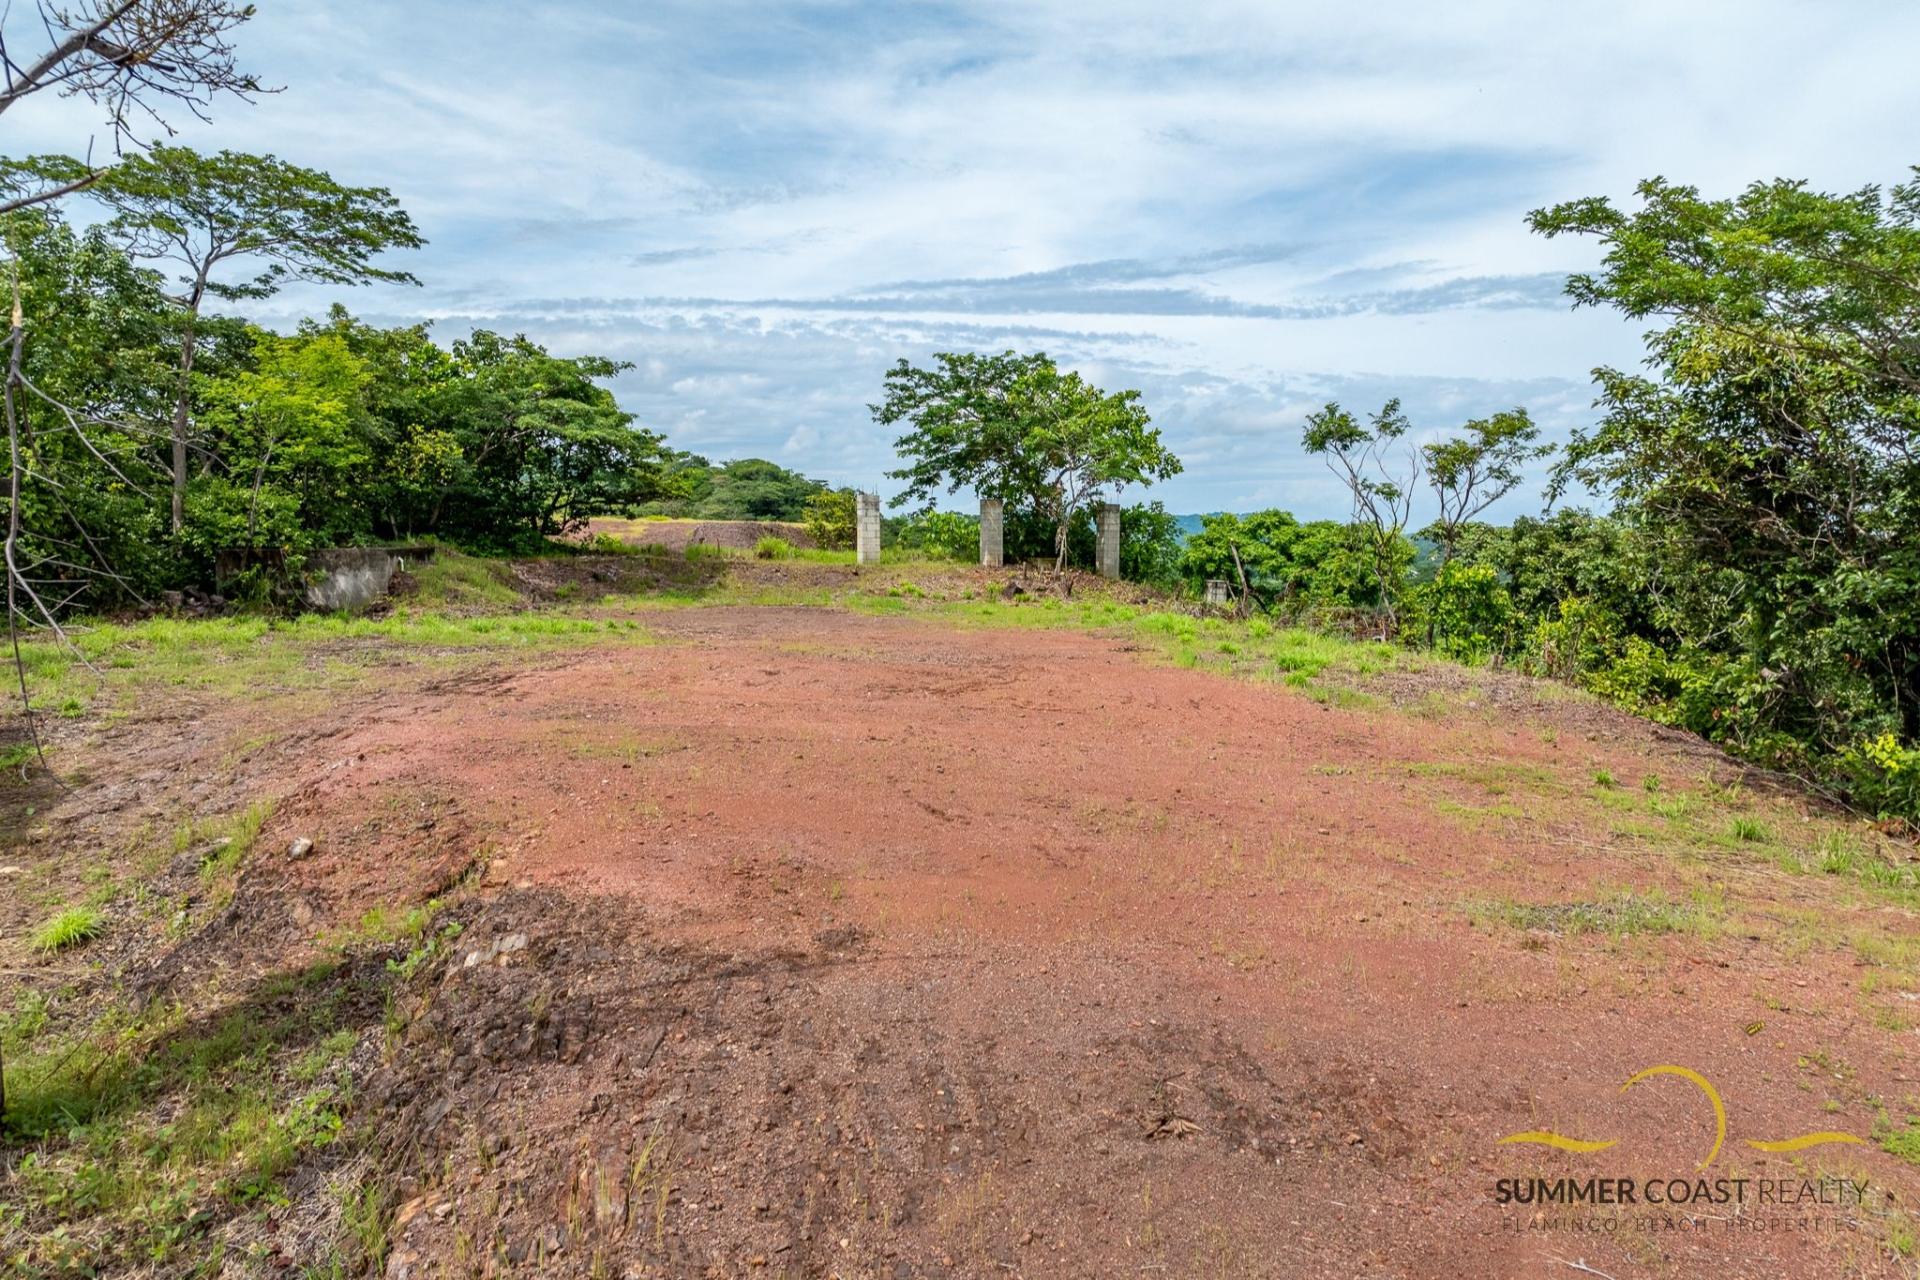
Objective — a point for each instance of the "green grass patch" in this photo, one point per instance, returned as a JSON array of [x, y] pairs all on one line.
[[251, 657], [137, 1136], [70, 928], [773, 549], [450, 579], [1835, 855], [229, 840], [1618, 915], [1902, 1141]]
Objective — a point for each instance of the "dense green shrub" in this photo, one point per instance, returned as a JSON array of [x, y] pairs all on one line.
[[829, 516], [1466, 610], [943, 535]]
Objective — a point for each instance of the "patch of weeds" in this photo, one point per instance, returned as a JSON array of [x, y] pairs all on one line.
[[385, 924], [1673, 806], [1749, 831], [69, 928], [144, 1131], [365, 1214], [1619, 915], [1475, 814], [773, 549], [1341, 696], [1835, 854], [449, 578], [1650, 783], [1604, 779], [1900, 1141], [232, 839], [424, 949]]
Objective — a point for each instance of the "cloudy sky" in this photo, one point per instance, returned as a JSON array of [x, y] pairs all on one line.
[[1241, 207]]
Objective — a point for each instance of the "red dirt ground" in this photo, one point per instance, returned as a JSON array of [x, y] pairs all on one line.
[[810, 943], [928, 952]]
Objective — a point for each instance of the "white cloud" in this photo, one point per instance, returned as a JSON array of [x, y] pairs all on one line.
[[1241, 207]]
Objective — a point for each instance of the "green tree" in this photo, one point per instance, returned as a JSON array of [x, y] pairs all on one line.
[[1381, 489], [1150, 544], [1014, 427], [1262, 541], [945, 535], [754, 489], [1475, 469], [1771, 462], [198, 214], [291, 434], [543, 447], [1289, 565], [93, 374]]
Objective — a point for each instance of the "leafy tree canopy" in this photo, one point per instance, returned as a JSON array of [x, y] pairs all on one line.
[[1772, 455], [1014, 427]]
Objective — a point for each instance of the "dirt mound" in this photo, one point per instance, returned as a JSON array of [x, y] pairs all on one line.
[[578, 1099], [681, 534]]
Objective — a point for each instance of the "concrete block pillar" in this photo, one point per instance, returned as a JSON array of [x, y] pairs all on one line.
[[1107, 518], [993, 525], [1218, 591], [866, 528]]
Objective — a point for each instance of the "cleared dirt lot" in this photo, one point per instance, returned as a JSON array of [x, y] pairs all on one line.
[[800, 942]]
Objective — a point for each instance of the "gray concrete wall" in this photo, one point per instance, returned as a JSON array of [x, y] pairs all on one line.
[[1107, 518], [1217, 591], [351, 578], [993, 530], [867, 528]]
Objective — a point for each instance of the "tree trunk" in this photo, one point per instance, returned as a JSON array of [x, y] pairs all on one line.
[[183, 401]]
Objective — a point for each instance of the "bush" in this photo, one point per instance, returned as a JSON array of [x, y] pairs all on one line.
[[773, 549], [1467, 611], [944, 535], [1150, 545], [1885, 776], [1580, 637], [606, 544], [829, 517]]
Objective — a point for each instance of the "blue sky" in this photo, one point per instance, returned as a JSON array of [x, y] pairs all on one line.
[[1241, 208]]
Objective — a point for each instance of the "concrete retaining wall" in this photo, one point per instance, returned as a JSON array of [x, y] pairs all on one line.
[[351, 578]]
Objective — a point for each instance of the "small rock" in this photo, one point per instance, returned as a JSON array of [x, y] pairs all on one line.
[[300, 848]]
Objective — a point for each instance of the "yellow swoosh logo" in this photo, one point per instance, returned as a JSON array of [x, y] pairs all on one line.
[[1561, 1142], [1713, 1096]]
